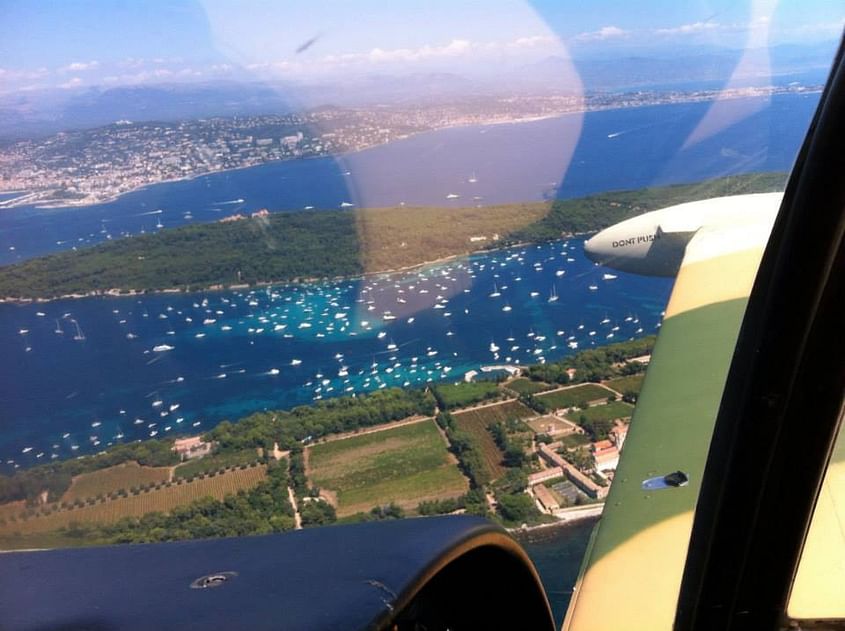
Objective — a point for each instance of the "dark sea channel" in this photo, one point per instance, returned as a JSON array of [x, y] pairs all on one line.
[[78, 375]]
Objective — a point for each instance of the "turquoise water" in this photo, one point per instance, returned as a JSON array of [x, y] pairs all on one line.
[[79, 375]]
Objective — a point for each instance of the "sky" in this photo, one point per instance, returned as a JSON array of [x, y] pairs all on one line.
[[79, 43]]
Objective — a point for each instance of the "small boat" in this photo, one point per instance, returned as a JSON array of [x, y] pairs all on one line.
[[295, 362], [609, 276], [161, 348]]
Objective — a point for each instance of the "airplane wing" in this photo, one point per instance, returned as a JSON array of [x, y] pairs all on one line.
[[632, 572]]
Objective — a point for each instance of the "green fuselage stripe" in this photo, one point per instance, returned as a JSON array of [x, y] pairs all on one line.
[[673, 422]]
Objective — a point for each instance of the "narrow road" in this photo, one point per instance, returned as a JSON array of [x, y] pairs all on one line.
[[297, 520]]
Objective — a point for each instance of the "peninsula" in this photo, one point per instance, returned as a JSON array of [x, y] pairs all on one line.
[[313, 245]]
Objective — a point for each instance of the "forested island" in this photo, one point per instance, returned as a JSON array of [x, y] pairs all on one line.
[[296, 246]]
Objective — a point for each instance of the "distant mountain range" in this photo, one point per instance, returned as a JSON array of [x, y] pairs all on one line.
[[33, 113]]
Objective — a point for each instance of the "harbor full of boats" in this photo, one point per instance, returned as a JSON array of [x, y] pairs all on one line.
[[83, 374]]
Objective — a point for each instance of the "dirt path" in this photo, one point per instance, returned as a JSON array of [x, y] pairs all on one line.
[[297, 519]]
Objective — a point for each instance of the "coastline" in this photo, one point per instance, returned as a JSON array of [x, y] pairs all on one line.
[[116, 292], [691, 98], [564, 518]]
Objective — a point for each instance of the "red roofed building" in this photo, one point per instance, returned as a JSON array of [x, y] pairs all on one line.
[[191, 447], [605, 454]]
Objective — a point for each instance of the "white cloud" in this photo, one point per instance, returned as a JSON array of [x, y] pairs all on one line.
[[456, 48], [604, 33], [155, 74], [74, 82], [688, 29], [80, 66], [533, 41]]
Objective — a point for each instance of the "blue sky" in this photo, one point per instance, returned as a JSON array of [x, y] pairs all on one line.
[[76, 43]]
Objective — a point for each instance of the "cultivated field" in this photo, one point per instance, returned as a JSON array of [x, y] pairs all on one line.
[[164, 499], [608, 412], [527, 386], [476, 422], [405, 465], [105, 481], [571, 396], [215, 463], [627, 384]]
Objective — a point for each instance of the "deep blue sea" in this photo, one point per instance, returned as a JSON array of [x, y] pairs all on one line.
[[557, 552], [77, 375]]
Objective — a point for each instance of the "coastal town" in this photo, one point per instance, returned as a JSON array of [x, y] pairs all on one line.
[[89, 166]]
